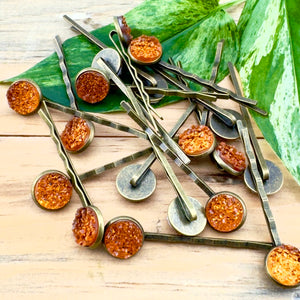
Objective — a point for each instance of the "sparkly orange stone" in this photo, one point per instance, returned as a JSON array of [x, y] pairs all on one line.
[[53, 191], [123, 238], [196, 140], [224, 212], [145, 48], [92, 86], [23, 97], [231, 156], [85, 227], [283, 265], [76, 134]]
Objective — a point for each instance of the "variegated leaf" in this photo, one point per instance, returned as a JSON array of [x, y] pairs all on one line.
[[269, 66]]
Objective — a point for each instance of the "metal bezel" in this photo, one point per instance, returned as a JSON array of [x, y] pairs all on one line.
[[124, 218], [100, 226], [38, 89], [111, 58], [223, 165], [88, 140], [269, 274], [38, 178], [243, 205], [95, 70], [152, 62]]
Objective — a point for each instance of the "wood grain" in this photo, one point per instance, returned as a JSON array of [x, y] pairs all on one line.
[[38, 256], [27, 28]]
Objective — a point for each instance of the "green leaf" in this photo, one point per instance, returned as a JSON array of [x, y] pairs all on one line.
[[269, 66], [188, 29], [167, 18]]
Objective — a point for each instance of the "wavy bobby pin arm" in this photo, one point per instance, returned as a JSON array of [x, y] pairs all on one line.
[[114, 164], [213, 77], [222, 114], [170, 142], [180, 93], [96, 119], [259, 183], [205, 83], [133, 72], [263, 168], [244, 103], [45, 115], [89, 36], [65, 73], [151, 159], [170, 153]]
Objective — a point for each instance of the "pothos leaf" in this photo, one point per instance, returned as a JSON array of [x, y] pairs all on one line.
[[269, 66], [168, 18], [189, 31]]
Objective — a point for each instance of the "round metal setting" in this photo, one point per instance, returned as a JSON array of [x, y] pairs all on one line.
[[111, 57], [56, 190], [271, 185], [100, 227], [88, 227], [123, 237], [91, 136], [161, 83], [222, 212], [180, 223], [142, 191], [197, 141], [147, 56], [122, 29], [282, 264], [92, 85], [24, 96], [87, 141], [206, 152], [224, 166], [221, 129]]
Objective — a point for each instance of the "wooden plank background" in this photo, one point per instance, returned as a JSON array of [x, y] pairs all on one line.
[[38, 256]]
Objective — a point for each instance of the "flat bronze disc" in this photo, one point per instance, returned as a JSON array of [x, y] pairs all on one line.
[[271, 185], [179, 221], [221, 129], [142, 191], [111, 57]]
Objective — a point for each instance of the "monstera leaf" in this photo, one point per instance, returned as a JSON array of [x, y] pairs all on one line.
[[189, 31], [269, 66]]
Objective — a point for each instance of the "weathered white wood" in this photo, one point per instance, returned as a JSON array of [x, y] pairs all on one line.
[[27, 28]]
